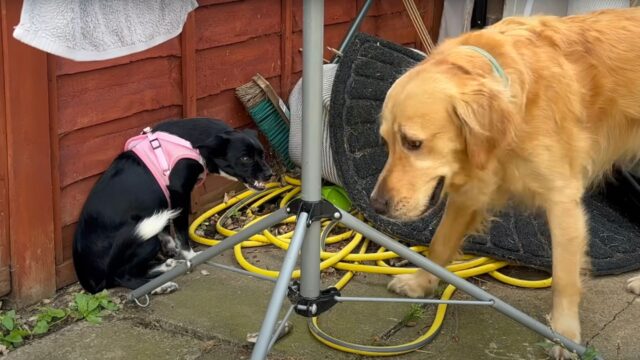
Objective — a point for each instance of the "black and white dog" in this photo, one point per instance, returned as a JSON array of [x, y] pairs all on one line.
[[123, 236]]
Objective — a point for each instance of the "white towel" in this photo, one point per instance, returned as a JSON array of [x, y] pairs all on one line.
[[85, 30]]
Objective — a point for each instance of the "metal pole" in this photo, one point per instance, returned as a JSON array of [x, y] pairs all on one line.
[[313, 38], [280, 290], [352, 30], [449, 277], [412, 301], [205, 255]]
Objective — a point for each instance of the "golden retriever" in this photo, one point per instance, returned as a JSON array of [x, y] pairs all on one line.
[[565, 109]]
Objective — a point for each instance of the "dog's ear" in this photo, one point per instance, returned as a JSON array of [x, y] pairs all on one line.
[[487, 121], [215, 145]]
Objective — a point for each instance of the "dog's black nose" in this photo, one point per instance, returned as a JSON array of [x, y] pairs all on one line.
[[380, 204]]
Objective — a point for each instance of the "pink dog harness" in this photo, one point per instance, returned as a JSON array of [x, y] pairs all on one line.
[[160, 151]]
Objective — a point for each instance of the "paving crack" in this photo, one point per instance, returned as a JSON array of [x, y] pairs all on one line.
[[615, 316]]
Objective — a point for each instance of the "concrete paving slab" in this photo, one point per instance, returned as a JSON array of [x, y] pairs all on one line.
[[111, 340]]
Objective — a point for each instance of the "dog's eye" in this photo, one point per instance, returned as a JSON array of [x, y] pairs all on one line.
[[245, 159], [411, 145]]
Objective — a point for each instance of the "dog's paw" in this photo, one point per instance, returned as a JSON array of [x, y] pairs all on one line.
[[557, 352], [189, 254], [633, 285], [167, 288], [569, 326], [413, 285]]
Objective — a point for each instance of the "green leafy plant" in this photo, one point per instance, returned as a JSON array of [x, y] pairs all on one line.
[[12, 332], [590, 354], [46, 318], [416, 313], [93, 307]]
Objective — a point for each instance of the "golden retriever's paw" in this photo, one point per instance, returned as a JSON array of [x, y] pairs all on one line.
[[557, 352], [569, 326], [633, 285], [413, 285]]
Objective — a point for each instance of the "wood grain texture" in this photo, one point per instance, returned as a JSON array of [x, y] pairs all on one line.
[[55, 154], [188, 61], [65, 66], [65, 274], [68, 232], [29, 165], [227, 67], [89, 151], [236, 22], [335, 12], [286, 47], [5, 244], [333, 36], [72, 199], [204, 3], [396, 27], [95, 97], [224, 106]]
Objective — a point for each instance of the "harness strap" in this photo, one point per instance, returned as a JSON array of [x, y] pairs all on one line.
[[157, 149]]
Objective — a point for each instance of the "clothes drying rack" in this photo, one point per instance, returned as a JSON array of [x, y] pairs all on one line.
[[306, 296]]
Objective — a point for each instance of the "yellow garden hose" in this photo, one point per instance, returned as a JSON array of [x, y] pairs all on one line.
[[349, 258]]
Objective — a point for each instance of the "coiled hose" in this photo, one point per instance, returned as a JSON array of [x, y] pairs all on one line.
[[350, 259]]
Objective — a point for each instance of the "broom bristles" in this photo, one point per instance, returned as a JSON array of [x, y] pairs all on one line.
[[250, 94]]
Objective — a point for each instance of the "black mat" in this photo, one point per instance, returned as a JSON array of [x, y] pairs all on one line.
[[368, 68]]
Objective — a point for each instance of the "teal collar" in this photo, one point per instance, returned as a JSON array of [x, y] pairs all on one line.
[[494, 63]]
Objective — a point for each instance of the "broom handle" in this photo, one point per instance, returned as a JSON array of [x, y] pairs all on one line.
[[352, 30]]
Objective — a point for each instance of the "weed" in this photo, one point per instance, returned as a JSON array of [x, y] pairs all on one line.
[[14, 330]]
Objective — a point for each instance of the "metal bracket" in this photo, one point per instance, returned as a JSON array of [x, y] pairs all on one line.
[[312, 307], [317, 210]]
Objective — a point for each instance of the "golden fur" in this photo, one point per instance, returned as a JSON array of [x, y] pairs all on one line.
[[570, 112]]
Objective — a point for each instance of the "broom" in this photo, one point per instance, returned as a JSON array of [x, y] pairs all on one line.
[[270, 114]]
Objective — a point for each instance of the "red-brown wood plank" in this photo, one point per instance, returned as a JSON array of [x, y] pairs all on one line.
[[396, 27], [295, 77], [55, 154], [73, 197], [226, 106], [236, 22], [188, 60], [203, 3], [29, 165], [211, 191], [383, 7], [68, 231], [5, 245], [227, 67], [333, 36], [89, 151], [335, 12], [436, 13], [286, 46], [168, 48], [96, 97], [65, 273]]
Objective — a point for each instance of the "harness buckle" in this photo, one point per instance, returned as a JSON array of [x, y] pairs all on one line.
[[155, 144]]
